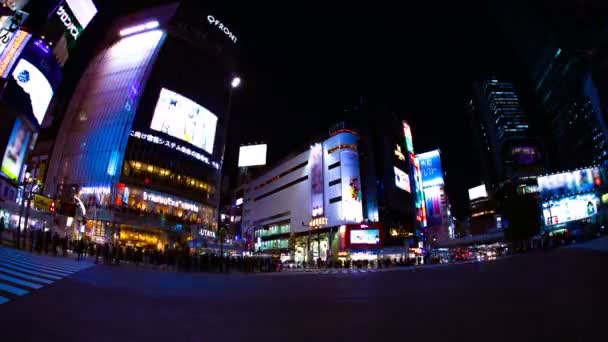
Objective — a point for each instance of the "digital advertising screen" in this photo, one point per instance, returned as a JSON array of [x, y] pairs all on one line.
[[365, 236], [478, 192], [570, 209], [430, 168], [432, 196], [184, 119], [252, 155], [566, 183], [14, 154], [316, 180], [33, 82], [525, 155], [402, 180]]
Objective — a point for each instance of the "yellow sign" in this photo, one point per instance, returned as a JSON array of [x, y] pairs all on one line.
[[317, 222], [19, 40], [398, 153], [605, 198], [42, 202]]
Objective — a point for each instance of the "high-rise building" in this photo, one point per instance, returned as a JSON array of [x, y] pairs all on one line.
[[510, 153], [144, 132], [574, 126]]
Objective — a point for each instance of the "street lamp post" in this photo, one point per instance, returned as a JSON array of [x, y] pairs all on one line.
[[234, 83]]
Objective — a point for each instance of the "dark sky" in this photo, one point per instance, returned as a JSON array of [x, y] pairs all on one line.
[[302, 66]]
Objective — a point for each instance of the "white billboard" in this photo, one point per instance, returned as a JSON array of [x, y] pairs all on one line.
[[478, 192], [252, 155], [402, 180], [571, 208], [36, 85], [184, 119]]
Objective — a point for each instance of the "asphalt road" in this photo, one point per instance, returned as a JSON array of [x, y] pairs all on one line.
[[559, 295]]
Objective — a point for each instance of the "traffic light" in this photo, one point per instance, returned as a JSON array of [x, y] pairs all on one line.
[[52, 207]]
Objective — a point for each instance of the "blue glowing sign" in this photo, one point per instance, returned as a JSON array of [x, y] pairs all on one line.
[[430, 167]]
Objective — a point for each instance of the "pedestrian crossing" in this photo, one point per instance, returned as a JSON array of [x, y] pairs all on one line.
[[22, 272]]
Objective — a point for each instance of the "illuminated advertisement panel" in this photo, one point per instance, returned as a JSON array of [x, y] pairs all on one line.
[[409, 143], [570, 209], [421, 215], [352, 207], [12, 51], [525, 155], [252, 155], [402, 180], [15, 151], [478, 192], [364, 236], [430, 168], [36, 85], [9, 25], [316, 179], [433, 205], [184, 119], [566, 183]]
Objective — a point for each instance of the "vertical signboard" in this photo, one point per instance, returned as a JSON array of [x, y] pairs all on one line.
[[70, 19], [352, 207], [12, 52], [14, 155], [316, 180], [407, 132], [430, 168], [420, 201]]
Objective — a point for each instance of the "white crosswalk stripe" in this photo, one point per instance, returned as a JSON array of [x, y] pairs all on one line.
[[22, 272]]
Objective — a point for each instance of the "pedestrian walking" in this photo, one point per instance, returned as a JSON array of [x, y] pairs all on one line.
[[97, 252], [80, 248], [2, 228]]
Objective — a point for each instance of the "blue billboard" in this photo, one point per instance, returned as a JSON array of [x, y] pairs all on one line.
[[430, 168]]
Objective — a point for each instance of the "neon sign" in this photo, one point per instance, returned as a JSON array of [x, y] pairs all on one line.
[[212, 21], [187, 151], [68, 22], [170, 201]]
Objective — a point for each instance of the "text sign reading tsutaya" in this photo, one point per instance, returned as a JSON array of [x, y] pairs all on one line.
[[212, 21]]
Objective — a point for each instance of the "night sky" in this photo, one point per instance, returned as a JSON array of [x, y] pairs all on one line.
[[302, 67]]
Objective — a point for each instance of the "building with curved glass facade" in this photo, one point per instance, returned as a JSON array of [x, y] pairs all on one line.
[[142, 140]]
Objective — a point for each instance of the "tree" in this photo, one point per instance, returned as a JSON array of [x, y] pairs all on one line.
[[292, 244], [523, 217]]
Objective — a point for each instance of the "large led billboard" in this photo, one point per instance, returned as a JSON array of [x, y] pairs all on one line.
[[316, 180], [184, 119], [478, 192], [402, 180], [252, 155], [430, 168], [14, 154], [569, 209], [36, 85], [364, 236], [567, 183]]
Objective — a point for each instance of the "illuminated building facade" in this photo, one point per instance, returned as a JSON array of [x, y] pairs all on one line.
[[142, 139], [348, 195], [30, 74], [509, 152]]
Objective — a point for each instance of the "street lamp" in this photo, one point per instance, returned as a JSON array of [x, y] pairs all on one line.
[[236, 82]]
